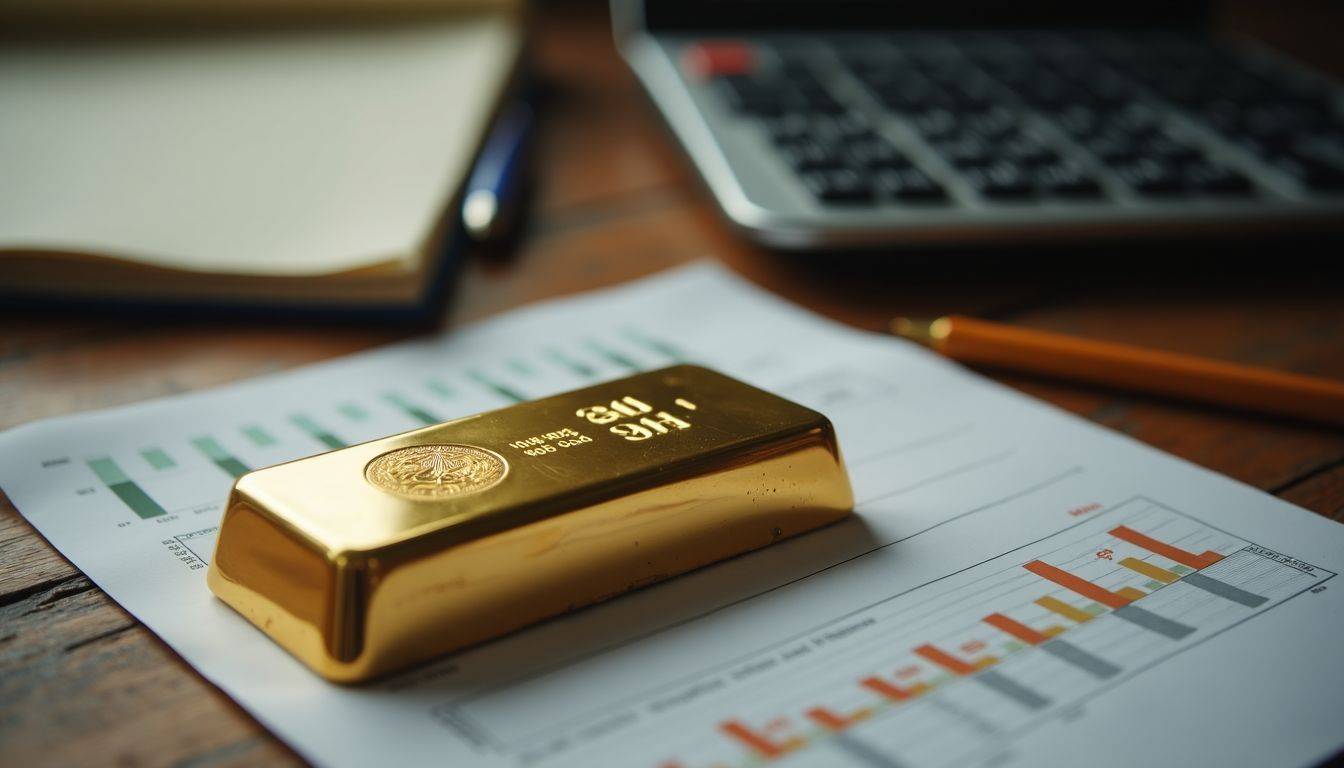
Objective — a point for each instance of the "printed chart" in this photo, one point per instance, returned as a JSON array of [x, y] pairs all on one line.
[[948, 672], [1001, 598]]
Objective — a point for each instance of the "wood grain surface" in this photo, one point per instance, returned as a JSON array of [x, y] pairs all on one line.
[[81, 682]]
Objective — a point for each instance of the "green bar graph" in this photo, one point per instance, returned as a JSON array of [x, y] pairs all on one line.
[[520, 367], [495, 386], [612, 355], [439, 388], [158, 459], [565, 361], [411, 409], [125, 489], [222, 458], [259, 437], [654, 344], [352, 411], [315, 431]]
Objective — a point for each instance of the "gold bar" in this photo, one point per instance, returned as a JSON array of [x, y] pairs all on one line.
[[371, 558]]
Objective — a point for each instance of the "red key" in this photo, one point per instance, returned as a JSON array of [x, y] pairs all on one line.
[[718, 57]]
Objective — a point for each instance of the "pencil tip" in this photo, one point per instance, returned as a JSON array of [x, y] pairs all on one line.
[[921, 330]]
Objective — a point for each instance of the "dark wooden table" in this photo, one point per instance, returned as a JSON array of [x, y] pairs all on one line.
[[83, 682]]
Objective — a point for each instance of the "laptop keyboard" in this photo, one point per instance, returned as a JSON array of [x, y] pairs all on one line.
[[1013, 118]]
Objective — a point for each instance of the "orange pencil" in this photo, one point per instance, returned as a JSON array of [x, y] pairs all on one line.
[[1120, 366]]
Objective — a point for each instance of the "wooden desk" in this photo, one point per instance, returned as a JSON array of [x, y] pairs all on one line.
[[82, 682]]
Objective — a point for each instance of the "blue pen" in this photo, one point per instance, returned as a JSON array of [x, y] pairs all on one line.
[[495, 181]]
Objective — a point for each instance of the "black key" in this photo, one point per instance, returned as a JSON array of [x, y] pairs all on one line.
[[913, 95], [1136, 119], [1002, 180], [1216, 179], [839, 128], [935, 123], [868, 59], [811, 155], [842, 185], [952, 73], [1027, 150], [1314, 174], [1048, 91], [1112, 148], [965, 151], [1151, 177], [752, 96], [1079, 121], [1066, 180], [875, 152], [909, 185], [1170, 150], [1106, 87], [788, 128], [991, 123], [1277, 118], [824, 103], [1223, 115], [975, 92]]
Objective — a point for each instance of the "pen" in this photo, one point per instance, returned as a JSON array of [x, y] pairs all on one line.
[[1121, 366], [494, 185]]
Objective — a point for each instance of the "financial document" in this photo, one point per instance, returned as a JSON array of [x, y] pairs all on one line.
[[1017, 588]]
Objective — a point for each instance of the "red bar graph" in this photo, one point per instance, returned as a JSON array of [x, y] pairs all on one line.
[[1015, 628], [1175, 554], [760, 743], [1075, 584], [945, 660]]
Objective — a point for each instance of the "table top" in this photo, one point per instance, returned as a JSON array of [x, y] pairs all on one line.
[[82, 681]]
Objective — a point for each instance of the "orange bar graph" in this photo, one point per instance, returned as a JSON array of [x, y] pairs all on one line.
[[1064, 609], [760, 743], [1175, 554], [887, 690], [1081, 586], [1131, 594], [1148, 569], [835, 722], [945, 660], [1016, 629]]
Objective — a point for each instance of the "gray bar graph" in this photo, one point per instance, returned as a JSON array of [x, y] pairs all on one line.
[[1151, 621], [861, 752], [1225, 590], [1072, 654], [992, 678]]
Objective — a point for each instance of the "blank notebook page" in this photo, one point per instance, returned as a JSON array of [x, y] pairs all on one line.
[[292, 152]]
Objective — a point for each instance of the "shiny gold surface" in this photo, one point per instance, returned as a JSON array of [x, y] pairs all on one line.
[[374, 557]]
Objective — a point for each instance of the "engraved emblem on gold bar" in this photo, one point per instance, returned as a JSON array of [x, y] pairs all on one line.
[[436, 471], [368, 559]]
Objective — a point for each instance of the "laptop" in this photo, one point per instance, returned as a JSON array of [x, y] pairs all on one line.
[[839, 124]]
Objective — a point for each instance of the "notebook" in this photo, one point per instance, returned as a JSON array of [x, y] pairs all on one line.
[[306, 166]]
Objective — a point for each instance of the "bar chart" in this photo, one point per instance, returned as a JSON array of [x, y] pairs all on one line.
[[157, 482], [1017, 588], [947, 673]]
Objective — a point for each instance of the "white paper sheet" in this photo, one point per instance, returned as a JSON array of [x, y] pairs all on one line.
[[1019, 587]]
